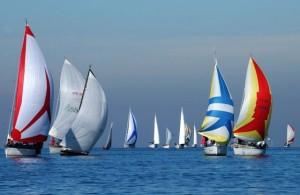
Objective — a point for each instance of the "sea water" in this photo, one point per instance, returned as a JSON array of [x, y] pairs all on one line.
[[152, 171]]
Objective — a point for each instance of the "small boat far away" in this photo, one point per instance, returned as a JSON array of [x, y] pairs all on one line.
[[90, 120], [252, 125], [290, 136], [182, 132], [131, 131], [195, 140], [217, 125], [168, 139], [155, 142], [70, 94], [108, 143], [31, 111]]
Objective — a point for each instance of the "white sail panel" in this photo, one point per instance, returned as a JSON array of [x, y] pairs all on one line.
[[290, 134], [156, 132], [168, 136], [195, 136], [70, 94], [131, 135], [91, 119], [182, 128]]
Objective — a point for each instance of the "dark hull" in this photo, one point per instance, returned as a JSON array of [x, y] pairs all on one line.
[[68, 152]]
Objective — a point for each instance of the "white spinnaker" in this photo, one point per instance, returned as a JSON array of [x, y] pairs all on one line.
[[195, 135], [290, 134], [156, 132], [34, 91], [131, 129], [91, 119], [70, 94], [182, 128], [168, 136]]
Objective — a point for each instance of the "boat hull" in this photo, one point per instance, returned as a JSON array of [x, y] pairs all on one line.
[[19, 152], [166, 146], [129, 145], [215, 150], [69, 152], [180, 146], [244, 150], [194, 145], [55, 149], [153, 146]]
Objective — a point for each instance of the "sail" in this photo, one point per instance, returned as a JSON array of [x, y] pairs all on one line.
[[131, 133], [31, 114], [182, 128], [195, 136], [188, 134], [218, 122], [290, 137], [255, 113], [156, 132], [109, 138], [70, 94], [90, 121], [168, 136]]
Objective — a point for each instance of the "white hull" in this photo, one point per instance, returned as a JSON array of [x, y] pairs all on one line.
[[19, 152], [194, 145], [215, 150], [129, 146], [180, 146], [244, 150], [153, 146], [166, 146], [54, 149]]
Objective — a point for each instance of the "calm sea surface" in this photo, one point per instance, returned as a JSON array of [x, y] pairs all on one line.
[[146, 171]]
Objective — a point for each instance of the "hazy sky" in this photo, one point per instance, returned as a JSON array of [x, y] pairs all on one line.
[[156, 56]]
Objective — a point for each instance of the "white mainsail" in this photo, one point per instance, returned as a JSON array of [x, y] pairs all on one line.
[[168, 136], [131, 132], [70, 94], [182, 128], [156, 132], [290, 137], [195, 135], [91, 119]]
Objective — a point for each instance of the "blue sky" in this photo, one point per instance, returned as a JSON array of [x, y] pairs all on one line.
[[156, 56]]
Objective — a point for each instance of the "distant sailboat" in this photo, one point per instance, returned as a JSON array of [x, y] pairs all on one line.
[[217, 125], [168, 139], [70, 94], [90, 121], [182, 132], [195, 137], [31, 112], [107, 146], [251, 128], [131, 131], [290, 135], [155, 142]]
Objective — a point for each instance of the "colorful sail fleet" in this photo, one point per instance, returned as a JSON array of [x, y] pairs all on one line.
[[81, 113]]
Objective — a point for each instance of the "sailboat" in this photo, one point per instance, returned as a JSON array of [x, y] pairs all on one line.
[[251, 128], [155, 142], [90, 120], [31, 110], [107, 146], [168, 139], [290, 135], [70, 95], [195, 138], [182, 132], [217, 125], [131, 131]]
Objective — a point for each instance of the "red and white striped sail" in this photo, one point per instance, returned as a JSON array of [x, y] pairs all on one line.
[[31, 114]]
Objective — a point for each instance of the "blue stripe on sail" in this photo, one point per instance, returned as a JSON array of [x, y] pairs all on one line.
[[220, 114], [220, 100], [220, 123]]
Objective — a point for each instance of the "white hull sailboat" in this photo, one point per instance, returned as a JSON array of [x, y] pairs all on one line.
[[217, 124], [251, 128], [155, 142], [168, 139], [131, 131], [90, 121], [290, 136], [195, 140], [31, 111], [70, 95], [182, 132]]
